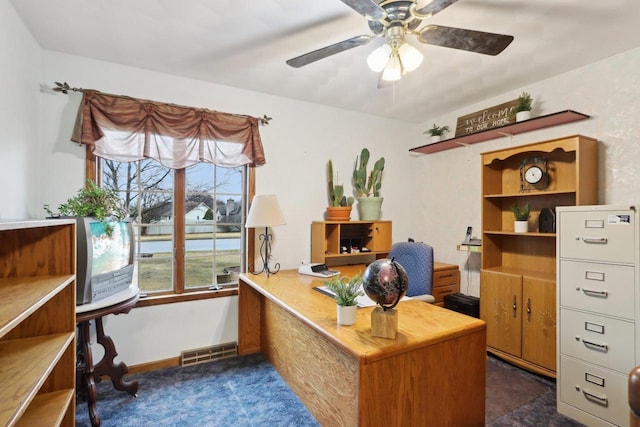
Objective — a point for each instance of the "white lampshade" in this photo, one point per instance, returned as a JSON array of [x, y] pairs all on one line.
[[393, 69], [264, 212], [410, 56], [379, 58]]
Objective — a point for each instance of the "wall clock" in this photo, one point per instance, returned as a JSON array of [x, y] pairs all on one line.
[[534, 173]]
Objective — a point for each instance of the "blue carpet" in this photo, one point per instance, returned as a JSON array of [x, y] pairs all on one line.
[[247, 391], [240, 391]]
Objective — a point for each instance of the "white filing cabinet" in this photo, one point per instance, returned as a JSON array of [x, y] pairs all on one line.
[[598, 311]]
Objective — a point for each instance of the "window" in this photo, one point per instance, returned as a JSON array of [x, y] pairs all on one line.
[[189, 223]]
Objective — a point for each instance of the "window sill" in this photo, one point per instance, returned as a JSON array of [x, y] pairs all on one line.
[[226, 291]]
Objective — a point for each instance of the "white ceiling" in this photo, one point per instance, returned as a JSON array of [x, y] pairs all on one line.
[[245, 43]]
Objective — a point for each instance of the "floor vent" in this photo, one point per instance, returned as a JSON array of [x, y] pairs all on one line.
[[207, 354]]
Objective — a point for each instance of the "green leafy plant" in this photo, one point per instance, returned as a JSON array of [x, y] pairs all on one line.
[[365, 185], [524, 102], [93, 201], [521, 212], [437, 130], [345, 290], [336, 192]]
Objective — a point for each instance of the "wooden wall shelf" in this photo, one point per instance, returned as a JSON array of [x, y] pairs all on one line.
[[532, 124]]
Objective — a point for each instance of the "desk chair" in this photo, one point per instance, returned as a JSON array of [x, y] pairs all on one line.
[[417, 260]]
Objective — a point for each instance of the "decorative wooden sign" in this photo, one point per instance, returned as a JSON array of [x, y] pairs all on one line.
[[489, 118]]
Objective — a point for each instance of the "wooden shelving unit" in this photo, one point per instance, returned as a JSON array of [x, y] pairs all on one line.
[[532, 124], [37, 322], [518, 270], [328, 237]]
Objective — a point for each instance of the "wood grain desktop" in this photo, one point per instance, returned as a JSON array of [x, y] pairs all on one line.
[[433, 373]]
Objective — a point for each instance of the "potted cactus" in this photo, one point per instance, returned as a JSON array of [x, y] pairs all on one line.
[[339, 208], [366, 186]]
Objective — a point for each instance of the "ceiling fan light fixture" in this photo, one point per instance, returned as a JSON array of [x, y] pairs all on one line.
[[393, 70], [378, 59], [410, 56]]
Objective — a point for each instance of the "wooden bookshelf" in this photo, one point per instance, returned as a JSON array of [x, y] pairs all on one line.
[[37, 322]]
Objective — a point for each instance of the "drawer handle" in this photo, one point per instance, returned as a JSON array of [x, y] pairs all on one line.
[[446, 292], [597, 240], [445, 275], [602, 400], [594, 293], [602, 347]]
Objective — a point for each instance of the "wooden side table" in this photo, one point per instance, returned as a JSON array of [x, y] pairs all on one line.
[[446, 281], [88, 374]]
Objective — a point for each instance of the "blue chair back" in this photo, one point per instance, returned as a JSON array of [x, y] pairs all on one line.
[[417, 260]]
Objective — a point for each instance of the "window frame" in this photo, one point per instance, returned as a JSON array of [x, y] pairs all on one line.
[[179, 293]]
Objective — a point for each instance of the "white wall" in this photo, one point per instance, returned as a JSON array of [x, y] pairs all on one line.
[[608, 91], [20, 68]]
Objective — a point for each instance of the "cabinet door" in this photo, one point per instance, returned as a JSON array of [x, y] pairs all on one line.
[[501, 308], [380, 236], [539, 322]]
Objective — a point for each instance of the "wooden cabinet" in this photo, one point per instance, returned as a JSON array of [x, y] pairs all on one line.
[[37, 322], [517, 280], [446, 281], [598, 311], [341, 243]]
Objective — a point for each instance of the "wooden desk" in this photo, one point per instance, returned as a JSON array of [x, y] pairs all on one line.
[[432, 374]]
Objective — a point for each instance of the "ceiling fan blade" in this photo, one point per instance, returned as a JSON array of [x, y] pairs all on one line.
[[469, 40], [434, 7], [326, 51], [366, 8]]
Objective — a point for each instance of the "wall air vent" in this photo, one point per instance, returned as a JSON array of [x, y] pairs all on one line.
[[207, 354]]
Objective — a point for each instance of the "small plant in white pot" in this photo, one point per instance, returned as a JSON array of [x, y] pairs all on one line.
[[345, 291], [437, 132], [521, 214], [366, 186], [523, 108]]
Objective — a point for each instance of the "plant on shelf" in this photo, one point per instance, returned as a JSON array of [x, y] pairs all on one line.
[[339, 208], [437, 130], [345, 291], [336, 192], [92, 201], [524, 102], [366, 186], [523, 107], [521, 213]]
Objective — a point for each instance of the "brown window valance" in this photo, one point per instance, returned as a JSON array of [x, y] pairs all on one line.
[[129, 129]]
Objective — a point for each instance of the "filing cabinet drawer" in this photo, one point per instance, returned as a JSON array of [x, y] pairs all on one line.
[[603, 288], [600, 235], [600, 340], [597, 391]]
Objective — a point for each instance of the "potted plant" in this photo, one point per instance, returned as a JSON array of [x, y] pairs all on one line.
[[367, 186], [95, 202], [521, 214], [523, 108], [339, 208], [345, 292], [437, 132]]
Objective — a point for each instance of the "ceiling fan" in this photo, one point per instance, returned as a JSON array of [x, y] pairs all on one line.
[[393, 20]]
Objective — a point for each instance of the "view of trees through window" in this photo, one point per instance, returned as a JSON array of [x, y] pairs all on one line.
[[188, 223]]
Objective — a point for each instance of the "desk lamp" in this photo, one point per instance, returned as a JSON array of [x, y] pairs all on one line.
[[265, 212]]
